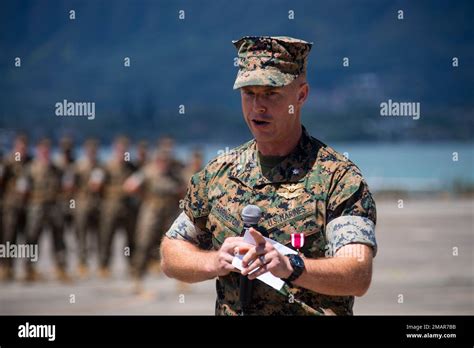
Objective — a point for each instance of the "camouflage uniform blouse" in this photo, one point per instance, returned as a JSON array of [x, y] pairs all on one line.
[[314, 190]]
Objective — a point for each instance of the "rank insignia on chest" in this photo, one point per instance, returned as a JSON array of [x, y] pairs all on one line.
[[290, 191]]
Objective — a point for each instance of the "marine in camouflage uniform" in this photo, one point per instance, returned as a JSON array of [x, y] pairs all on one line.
[[166, 145], [2, 193], [118, 210], [140, 163], [89, 177], [313, 190], [44, 188], [311, 187], [141, 154], [193, 166], [162, 189], [14, 197], [65, 163]]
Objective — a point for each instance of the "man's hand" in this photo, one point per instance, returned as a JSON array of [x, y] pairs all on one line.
[[222, 260], [265, 256], [132, 184]]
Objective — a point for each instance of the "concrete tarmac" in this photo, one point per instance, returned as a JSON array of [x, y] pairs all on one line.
[[424, 265]]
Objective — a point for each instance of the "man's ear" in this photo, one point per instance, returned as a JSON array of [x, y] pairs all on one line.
[[303, 92]]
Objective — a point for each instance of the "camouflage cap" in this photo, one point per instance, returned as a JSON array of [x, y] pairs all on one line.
[[270, 60], [44, 141], [142, 144], [21, 137], [165, 142], [66, 143], [122, 140], [91, 143]]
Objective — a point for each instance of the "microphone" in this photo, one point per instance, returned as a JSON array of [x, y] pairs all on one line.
[[250, 215]]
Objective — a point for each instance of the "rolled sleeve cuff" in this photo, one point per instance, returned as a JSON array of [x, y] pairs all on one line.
[[183, 229], [349, 229]]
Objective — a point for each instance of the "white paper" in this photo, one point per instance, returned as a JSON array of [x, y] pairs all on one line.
[[267, 277]]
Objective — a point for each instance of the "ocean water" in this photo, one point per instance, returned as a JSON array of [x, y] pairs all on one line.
[[387, 166], [413, 166], [407, 166]]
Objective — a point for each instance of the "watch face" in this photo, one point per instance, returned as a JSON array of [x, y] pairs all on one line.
[[298, 261]]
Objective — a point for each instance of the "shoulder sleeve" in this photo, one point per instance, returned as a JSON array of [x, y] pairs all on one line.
[[196, 202], [351, 211], [191, 223]]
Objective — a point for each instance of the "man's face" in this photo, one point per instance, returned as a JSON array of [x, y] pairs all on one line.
[[20, 146], [120, 149], [91, 152], [43, 152], [141, 154], [196, 163], [273, 112]]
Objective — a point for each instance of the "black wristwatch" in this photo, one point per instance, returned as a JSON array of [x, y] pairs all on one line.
[[298, 267]]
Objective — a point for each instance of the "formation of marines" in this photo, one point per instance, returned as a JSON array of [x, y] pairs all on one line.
[[135, 192]]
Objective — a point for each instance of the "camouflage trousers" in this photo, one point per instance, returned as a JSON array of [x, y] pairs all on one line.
[[67, 212], [1, 222], [14, 224], [153, 223], [87, 223], [46, 215], [116, 214]]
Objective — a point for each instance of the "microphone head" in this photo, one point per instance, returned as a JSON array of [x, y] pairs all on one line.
[[251, 214]]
